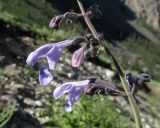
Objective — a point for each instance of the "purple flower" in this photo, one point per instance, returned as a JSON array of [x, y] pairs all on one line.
[[66, 18], [87, 50], [78, 57], [74, 90], [52, 52], [45, 76], [90, 87], [55, 21]]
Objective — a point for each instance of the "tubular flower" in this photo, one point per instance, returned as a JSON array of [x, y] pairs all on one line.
[[52, 52], [78, 57], [90, 87], [87, 50], [98, 86], [74, 90], [66, 18]]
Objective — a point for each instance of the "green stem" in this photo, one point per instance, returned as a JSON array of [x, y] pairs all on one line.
[[103, 42]]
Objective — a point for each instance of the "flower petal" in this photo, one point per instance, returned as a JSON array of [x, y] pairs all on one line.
[[43, 50], [74, 95], [53, 56], [68, 106], [55, 21], [38, 53], [67, 87], [70, 41], [45, 76], [61, 90], [74, 89], [78, 57]]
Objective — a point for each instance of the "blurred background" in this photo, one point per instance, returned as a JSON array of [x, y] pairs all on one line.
[[133, 31]]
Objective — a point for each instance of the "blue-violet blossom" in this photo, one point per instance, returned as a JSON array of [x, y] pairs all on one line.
[[52, 52], [74, 90]]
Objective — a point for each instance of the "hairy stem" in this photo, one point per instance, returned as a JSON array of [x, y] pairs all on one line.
[[103, 42]]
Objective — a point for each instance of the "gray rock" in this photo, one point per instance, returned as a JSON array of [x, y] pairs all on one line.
[[149, 10]]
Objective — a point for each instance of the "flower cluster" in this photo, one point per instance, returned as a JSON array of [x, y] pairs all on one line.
[[52, 52]]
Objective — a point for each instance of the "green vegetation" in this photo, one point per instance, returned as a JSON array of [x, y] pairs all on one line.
[[28, 72], [34, 15], [156, 83], [89, 112], [7, 113], [141, 22], [154, 104], [139, 55]]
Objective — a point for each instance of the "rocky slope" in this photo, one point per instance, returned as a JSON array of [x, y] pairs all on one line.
[[19, 84], [149, 10]]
